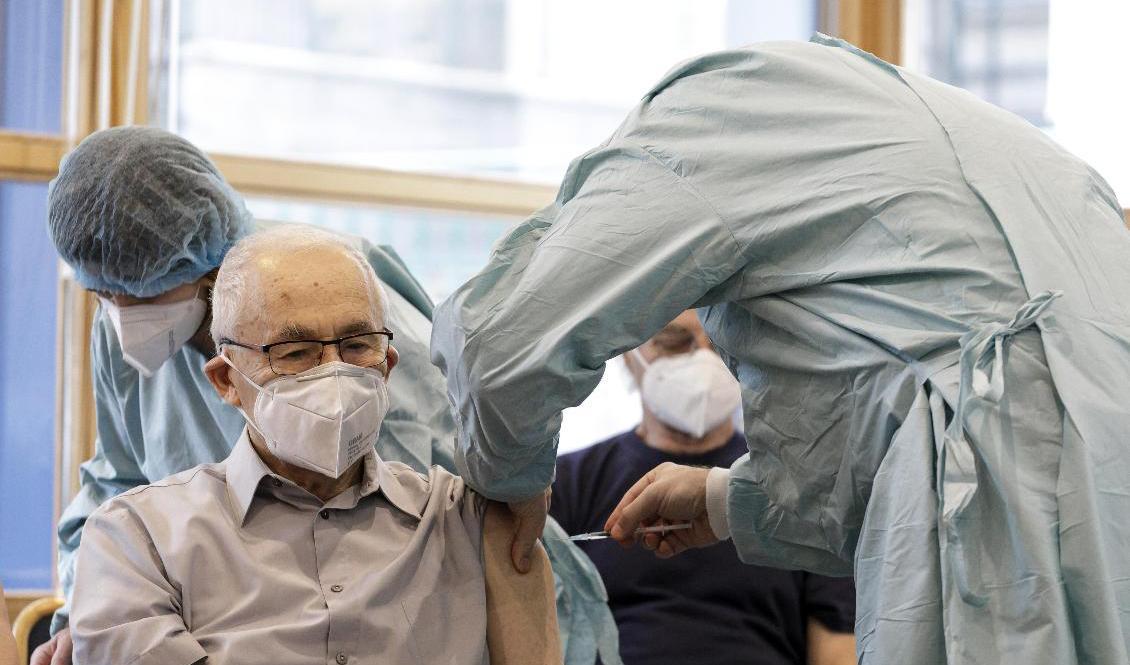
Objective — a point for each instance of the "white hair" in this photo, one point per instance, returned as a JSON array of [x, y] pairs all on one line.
[[230, 296]]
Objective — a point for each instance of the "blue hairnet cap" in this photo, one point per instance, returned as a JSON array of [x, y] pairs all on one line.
[[140, 211]]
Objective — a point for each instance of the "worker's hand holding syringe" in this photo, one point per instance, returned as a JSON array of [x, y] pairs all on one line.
[[665, 511], [669, 503]]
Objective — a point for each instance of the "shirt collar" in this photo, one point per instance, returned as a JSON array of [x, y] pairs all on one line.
[[245, 470], [409, 502]]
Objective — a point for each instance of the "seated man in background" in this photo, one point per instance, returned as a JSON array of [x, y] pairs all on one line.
[[304, 545], [705, 606]]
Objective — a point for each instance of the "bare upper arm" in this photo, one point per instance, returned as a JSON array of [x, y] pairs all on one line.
[[828, 647], [521, 609]]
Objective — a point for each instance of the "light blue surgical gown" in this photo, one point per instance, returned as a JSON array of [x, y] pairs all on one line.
[[926, 301], [150, 428]]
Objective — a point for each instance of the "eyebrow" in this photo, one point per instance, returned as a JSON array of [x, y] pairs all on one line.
[[673, 335], [292, 332], [358, 326]]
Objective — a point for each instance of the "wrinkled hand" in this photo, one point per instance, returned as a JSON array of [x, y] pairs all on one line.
[[56, 651], [530, 521], [669, 493]]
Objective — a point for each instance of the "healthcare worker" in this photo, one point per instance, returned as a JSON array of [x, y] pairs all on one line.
[[925, 301], [144, 219]]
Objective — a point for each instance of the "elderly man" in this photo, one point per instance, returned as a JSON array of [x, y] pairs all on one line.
[[924, 299], [706, 606], [304, 545], [144, 219]]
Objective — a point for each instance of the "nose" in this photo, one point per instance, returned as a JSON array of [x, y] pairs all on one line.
[[330, 353]]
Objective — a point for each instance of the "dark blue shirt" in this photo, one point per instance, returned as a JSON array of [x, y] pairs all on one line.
[[703, 606]]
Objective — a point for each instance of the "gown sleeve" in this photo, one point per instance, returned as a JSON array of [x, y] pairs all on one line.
[[627, 245]]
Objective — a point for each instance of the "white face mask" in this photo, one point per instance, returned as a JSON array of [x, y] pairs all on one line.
[[323, 419], [151, 334], [691, 392]]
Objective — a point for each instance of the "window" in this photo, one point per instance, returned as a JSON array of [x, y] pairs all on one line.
[[503, 88], [31, 65], [442, 249], [298, 100], [27, 387], [1056, 63]]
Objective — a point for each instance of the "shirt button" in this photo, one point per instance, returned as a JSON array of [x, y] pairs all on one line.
[[342, 658], [336, 588], [325, 514]]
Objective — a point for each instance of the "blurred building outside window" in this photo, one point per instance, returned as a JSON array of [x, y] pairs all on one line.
[[1057, 63]]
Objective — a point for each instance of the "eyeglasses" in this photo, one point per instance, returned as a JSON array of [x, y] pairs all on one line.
[[366, 349]]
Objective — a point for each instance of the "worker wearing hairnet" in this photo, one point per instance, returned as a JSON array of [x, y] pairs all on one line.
[[924, 299], [144, 219]]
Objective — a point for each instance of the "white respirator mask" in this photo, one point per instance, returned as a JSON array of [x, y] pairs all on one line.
[[690, 392], [323, 419], [150, 334]]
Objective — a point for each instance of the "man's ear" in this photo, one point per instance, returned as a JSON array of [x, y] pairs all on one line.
[[221, 375], [391, 360]]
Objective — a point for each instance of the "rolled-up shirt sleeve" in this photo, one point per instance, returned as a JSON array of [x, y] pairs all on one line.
[[124, 608], [628, 244]]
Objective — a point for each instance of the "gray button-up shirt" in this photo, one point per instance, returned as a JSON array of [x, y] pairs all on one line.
[[231, 562]]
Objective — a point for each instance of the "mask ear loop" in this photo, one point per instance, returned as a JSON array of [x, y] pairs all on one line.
[[114, 312], [203, 291], [223, 357], [644, 365], [258, 392]]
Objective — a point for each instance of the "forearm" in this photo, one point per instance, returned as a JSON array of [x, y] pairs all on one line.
[[521, 608]]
